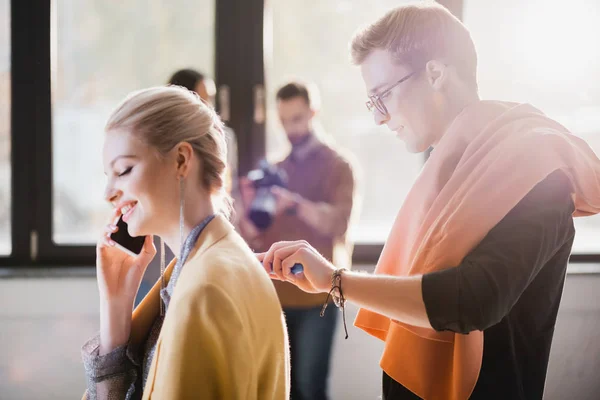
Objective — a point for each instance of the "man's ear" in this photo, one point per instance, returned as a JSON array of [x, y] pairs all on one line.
[[437, 74]]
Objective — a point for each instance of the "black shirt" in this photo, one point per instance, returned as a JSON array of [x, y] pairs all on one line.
[[509, 287]]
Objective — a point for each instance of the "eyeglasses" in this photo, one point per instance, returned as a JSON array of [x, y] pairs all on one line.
[[375, 101]]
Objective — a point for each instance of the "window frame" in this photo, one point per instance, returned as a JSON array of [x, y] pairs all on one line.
[[31, 120], [239, 27]]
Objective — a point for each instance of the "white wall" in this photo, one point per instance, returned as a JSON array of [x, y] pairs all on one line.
[[44, 321]]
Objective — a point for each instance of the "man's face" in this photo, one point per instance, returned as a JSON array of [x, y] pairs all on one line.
[[296, 117], [413, 106]]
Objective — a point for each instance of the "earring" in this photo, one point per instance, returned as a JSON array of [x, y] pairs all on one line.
[[162, 276], [162, 244], [181, 205]]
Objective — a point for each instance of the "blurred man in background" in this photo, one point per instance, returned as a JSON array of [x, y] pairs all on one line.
[[316, 205]]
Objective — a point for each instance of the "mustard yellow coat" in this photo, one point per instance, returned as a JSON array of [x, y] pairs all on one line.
[[224, 334]]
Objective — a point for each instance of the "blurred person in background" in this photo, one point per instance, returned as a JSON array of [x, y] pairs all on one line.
[[315, 204]]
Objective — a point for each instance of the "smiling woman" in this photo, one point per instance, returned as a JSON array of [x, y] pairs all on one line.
[[165, 160], [139, 160]]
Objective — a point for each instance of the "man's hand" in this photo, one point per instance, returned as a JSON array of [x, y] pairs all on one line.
[[247, 193], [282, 256], [286, 200], [247, 228]]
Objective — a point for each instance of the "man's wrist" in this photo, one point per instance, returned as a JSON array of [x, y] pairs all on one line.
[[347, 280]]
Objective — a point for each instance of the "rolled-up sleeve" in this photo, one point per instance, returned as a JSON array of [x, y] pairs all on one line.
[[482, 290], [334, 214]]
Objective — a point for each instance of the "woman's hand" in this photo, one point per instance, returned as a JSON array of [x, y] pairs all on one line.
[[120, 274], [282, 256], [119, 278]]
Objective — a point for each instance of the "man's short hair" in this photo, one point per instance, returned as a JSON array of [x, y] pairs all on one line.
[[417, 33], [293, 90], [188, 78]]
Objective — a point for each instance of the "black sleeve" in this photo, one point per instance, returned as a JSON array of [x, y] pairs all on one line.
[[479, 292]]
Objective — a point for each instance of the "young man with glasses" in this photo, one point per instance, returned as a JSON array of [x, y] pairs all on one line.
[[466, 291]]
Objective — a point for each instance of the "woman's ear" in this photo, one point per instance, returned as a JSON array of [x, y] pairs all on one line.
[[184, 158]]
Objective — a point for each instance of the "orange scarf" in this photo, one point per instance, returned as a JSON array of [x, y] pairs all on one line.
[[491, 156]]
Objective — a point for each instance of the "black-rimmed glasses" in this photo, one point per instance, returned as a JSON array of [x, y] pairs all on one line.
[[375, 101]]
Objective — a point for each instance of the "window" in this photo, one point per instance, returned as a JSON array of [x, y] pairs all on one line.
[[547, 54], [5, 110], [309, 41], [102, 51]]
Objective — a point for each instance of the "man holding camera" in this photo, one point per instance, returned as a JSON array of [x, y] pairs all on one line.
[[316, 206]]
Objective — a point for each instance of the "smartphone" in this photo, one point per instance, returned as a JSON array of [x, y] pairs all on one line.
[[130, 245]]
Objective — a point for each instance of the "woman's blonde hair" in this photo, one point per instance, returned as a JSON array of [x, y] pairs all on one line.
[[417, 33], [163, 117]]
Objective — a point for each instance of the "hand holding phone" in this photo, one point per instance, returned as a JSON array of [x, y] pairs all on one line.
[[124, 242], [119, 271], [121, 261]]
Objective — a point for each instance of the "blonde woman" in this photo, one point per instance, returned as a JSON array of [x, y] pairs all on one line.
[[212, 327]]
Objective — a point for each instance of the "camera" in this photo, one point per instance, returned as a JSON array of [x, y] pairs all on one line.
[[262, 209]]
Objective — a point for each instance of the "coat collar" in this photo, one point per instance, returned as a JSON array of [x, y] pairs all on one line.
[[148, 310]]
